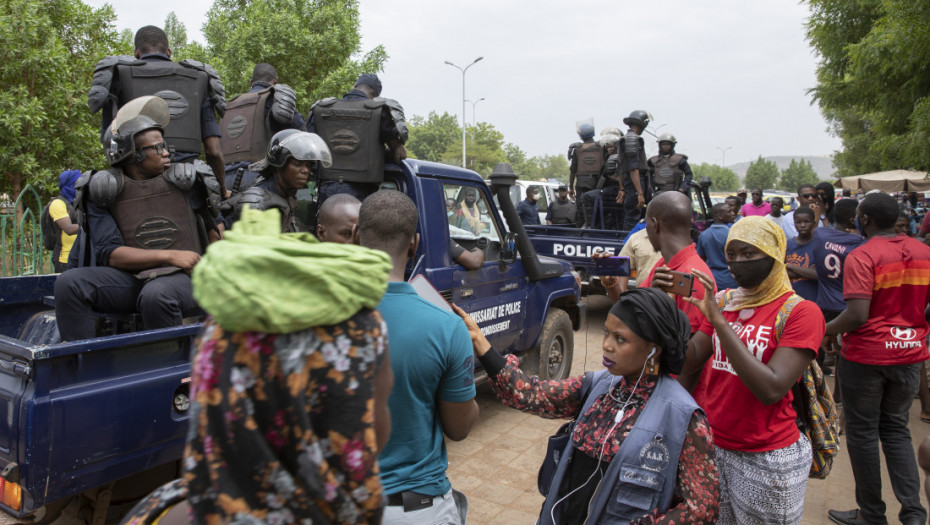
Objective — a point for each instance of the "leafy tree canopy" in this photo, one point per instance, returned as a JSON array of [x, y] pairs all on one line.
[[796, 174], [722, 179], [761, 174], [873, 81]]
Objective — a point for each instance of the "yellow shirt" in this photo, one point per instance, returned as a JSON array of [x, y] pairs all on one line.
[[57, 210], [642, 256]]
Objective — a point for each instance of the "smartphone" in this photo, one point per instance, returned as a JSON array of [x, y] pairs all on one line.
[[619, 266], [682, 284]]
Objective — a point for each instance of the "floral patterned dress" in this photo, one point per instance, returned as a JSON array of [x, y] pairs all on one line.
[[697, 495], [282, 428]]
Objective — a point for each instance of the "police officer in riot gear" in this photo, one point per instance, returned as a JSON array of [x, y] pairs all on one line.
[[633, 169], [293, 157], [362, 130], [251, 120], [561, 210], [192, 90], [148, 222], [670, 170], [587, 160]]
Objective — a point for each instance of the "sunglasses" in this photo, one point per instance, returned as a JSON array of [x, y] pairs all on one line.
[[808, 195], [159, 148]]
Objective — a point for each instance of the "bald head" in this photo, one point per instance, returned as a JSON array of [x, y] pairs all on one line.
[[672, 208], [337, 218]]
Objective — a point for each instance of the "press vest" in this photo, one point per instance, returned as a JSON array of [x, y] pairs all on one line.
[[183, 88], [667, 172], [351, 129], [246, 130], [643, 474]]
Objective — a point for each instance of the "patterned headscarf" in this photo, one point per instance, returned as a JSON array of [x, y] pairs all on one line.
[[770, 239]]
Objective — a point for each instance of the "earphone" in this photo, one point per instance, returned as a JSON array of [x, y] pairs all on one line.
[[648, 357]]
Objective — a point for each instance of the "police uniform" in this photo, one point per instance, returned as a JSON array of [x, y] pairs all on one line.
[[632, 156], [264, 194], [561, 213], [166, 212], [250, 121], [192, 89], [587, 162], [670, 172], [357, 141]]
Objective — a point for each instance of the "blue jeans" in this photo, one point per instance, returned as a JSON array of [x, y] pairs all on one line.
[[876, 401]]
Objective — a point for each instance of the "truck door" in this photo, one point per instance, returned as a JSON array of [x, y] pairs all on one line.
[[495, 294]]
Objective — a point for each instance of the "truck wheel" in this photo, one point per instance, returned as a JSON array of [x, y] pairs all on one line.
[[49, 512], [556, 347]]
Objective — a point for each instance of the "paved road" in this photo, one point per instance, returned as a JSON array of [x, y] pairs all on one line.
[[496, 466]]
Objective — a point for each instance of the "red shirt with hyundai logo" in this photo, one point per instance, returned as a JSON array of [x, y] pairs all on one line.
[[894, 273]]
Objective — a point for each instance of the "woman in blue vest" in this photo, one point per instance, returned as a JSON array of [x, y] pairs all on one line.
[[640, 450]]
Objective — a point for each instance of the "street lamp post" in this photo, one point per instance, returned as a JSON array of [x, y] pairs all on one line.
[[474, 114], [723, 161], [463, 70]]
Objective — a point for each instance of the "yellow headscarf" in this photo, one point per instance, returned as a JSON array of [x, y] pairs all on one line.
[[768, 237]]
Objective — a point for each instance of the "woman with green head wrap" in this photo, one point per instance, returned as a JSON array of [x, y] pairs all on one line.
[[759, 339]]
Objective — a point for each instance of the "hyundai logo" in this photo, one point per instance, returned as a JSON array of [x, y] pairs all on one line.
[[903, 334]]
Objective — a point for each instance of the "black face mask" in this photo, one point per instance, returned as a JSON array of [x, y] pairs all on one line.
[[749, 274]]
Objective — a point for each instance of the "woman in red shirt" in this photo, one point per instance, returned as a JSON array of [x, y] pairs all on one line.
[[763, 459]]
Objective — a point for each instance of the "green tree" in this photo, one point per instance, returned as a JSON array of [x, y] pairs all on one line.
[[177, 33], [550, 167], [722, 179], [761, 174], [796, 174], [431, 137], [873, 85], [46, 65], [311, 44], [523, 166]]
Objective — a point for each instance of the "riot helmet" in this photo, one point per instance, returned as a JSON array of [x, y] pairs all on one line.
[[639, 117], [586, 131], [610, 136], [136, 116], [298, 144], [667, 137]]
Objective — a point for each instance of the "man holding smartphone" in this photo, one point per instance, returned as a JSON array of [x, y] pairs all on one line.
[[668, 226]]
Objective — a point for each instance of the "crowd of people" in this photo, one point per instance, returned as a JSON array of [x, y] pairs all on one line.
[[315, 400]]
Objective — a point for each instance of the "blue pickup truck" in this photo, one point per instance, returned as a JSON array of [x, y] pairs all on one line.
[[106, 418]]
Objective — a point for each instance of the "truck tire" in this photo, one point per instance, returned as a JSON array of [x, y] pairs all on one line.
[[552, 359]]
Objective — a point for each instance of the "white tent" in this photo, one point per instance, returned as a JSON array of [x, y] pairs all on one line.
[[887, 181]]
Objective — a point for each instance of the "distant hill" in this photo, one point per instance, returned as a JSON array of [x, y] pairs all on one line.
[[823, 166]]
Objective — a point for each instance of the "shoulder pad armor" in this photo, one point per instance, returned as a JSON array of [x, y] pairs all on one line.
[[652, 160], [83, 179], [181, 174], [284, 103], [677, 159], [632, 143], [104, 186], [217, 91], [397, 115], [571, 149], [260, 199], [103, 78], [374, 103], [326, 102]]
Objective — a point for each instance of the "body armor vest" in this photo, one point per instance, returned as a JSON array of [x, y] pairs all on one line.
[[562, 213], [183, 88], [246, 131], [590, 159], [351, 129], [154, 214], [667, 173]]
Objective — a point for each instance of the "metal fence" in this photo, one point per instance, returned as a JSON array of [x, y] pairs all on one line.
[[21, 235]]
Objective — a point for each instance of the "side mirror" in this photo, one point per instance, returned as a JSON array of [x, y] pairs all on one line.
[[509, 248]]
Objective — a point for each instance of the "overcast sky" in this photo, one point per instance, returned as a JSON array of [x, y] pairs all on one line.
[[716, 73]]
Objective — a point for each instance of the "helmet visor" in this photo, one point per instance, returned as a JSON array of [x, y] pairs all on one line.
[[308, 146]]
